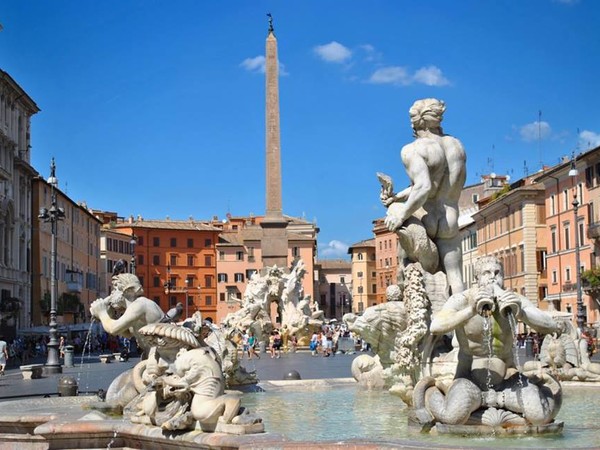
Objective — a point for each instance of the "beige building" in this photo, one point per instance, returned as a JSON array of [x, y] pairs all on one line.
[[335, 287], [16, 109], [78, 269], [364, 275], [511, 225]]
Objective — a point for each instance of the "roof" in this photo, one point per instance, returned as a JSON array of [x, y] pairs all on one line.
[[329, 264], [189, 225], [255, 233], [365, 243]]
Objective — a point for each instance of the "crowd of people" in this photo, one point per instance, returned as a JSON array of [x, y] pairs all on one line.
[[330, 340]]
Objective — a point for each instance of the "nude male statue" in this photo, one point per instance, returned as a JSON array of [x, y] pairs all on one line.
[[436, 166], [486, 375], [126, 310]]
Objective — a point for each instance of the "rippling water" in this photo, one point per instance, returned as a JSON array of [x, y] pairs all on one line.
[[347, 412]]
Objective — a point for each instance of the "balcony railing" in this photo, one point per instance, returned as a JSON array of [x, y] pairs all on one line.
[[594, 230]]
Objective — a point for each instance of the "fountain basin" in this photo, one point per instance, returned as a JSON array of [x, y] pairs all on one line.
[[296, 414]]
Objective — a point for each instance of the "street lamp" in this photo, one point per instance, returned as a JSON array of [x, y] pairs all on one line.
[[187, 296], [133, 243], [52, 215], [581, 319]]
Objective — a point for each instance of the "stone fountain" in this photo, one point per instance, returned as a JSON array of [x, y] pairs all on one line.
[[477, 386]]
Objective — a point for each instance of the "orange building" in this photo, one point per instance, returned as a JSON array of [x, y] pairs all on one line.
[[568, 230], [386, 263], [176, 262]]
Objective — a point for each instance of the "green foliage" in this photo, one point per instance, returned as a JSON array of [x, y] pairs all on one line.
[[591, 278], [505, 189]]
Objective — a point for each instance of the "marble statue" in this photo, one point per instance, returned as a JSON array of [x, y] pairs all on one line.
[[126, 310], [181, 385], [565, 356], [487, 388], [226, 343], [425, 214], [286, 290]]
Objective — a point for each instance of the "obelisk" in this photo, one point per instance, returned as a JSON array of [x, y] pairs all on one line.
[[274, 242]]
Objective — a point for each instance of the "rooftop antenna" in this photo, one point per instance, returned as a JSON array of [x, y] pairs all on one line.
[[490, 161], [525, 169]]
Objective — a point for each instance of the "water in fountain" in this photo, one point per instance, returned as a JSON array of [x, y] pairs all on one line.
[[488, 343], [512, 321], [87, 344]]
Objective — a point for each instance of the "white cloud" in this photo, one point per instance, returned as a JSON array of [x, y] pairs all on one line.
[[535, 130], [257, 65], [334, 52], [335, 249], [430, 76], [589, 139], [390, 75]]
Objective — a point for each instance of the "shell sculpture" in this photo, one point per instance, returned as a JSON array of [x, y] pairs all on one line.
[[169, 335]]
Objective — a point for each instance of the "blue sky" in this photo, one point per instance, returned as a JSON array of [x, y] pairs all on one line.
[[156, 108]]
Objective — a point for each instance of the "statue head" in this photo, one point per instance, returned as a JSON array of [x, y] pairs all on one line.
[[128, 284], [427, 115], [488, 271]]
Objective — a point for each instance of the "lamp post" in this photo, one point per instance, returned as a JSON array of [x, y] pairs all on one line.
[[133, 243], [187, 296], [52, 215], [580, 313]]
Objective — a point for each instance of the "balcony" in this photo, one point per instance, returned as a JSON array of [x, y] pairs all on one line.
[[594, 230], [74, 281]]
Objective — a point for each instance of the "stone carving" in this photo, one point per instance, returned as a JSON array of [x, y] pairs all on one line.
[[565, 356], [484, 320], [181, 384], [226, 343], [286, 290], [425, 215], [126, 310]]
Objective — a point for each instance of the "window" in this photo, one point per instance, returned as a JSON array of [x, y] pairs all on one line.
[[553, 240], [342, 280], [239, 277], [250, 272], [295, 251], [208, 281], [207, 242], [208, 300], [156, 260], [568, 274], [250, 254], [173, 260], [221, 255], [190, 300], [191, 260], [581, 232], [140, 240], [155, 282], [222, 296], [552, 205], [208, 260], [140, 259], [172, 301], [222, 278], [565, 200], [239, 256], [359, 274], [190, 243], [173, 242], [360, 289], [359, 256], [156, 242], [567, 237]]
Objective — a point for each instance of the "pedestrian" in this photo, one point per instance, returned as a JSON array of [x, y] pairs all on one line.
[[277, 342], [252, 345], [272, 344], [3, 354], [294, 343], [245, 344], [61, 347], [314, 342]]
